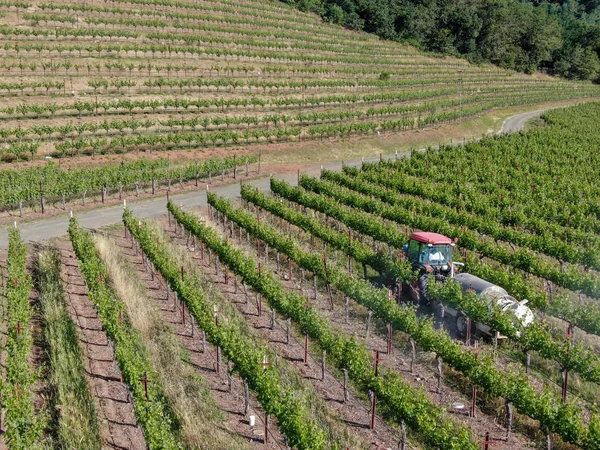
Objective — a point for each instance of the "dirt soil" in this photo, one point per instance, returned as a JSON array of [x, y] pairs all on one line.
[[354, 412], [455, 398], [114, 404]]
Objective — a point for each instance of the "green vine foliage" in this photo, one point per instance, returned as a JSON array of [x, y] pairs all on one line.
[[300, 429], [399, 401], [24, 428], [155, 416], [563, 419], [24, 184], [390, 267], [586, 317], [537, 336], [571, 278], [544, 243]]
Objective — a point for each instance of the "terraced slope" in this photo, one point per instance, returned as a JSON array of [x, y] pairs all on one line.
[[86, 78]]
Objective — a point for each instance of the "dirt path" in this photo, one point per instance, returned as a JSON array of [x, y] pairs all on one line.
[[354, 411], [230, 401], [114, 406], [517, 122]]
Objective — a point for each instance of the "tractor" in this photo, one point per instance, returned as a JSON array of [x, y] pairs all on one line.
[[431, 257]]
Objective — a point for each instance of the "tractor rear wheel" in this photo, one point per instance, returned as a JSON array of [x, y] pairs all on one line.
[[422, 287]]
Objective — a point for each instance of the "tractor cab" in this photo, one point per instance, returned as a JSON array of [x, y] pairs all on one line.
[[430, 252]]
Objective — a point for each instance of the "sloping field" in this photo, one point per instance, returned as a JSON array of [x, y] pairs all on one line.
[[85, 78], [288, 320], [283, 321]]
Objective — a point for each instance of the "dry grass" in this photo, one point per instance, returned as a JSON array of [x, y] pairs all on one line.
[[74, 423], [488, 123], [201, 420]]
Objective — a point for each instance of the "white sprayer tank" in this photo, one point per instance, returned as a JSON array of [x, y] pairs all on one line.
[[492, 293]]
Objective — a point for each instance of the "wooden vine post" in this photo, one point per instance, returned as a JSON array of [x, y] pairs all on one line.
[[264, 365], [377, 360], [324, 258], [216, 313], [306, 305], [144, 380], [476, 350], [565, 377], [390, 329], [259, 297], [488, 441]]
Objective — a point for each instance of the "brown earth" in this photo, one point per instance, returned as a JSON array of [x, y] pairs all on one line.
[[355, 411], [114, 403], [454, 393]]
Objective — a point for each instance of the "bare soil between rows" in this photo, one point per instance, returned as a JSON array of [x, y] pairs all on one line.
[[455, 398], [114, 403], [354, 412]]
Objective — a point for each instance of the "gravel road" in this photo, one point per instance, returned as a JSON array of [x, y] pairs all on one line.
[[516, 123], [56, 226]]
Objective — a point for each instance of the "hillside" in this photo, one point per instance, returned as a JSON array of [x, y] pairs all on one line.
[[82, 78], [312, 317], [555, 36]]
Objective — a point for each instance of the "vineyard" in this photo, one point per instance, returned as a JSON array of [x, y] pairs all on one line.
[[298, 315], [80, 79], [289, 319], [179, 93]]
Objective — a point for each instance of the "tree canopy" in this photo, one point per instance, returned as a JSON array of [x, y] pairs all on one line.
[[562, 37]]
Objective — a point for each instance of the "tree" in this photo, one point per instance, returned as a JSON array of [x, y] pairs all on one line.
[[579, 62], [334, 14]]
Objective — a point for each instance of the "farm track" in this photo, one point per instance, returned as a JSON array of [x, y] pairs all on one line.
[[48, 227], [354, 412], [117, 422], [231, 403]]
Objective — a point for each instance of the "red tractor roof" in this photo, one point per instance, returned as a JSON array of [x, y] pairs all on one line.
[[431, 238]]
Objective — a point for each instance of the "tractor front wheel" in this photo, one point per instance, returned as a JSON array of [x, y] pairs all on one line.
[[422, 287]]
